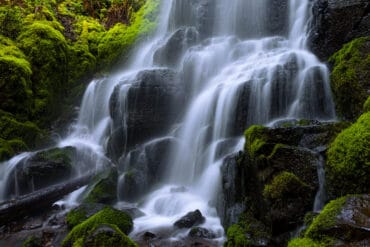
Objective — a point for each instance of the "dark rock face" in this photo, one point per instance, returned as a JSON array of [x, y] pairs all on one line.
[[144, 167], [42, 169], [151, 103], [190, 219], [277, 13], [173, 49], [336, 22]]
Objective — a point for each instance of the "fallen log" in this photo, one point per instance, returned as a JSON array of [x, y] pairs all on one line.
[[38, 200]]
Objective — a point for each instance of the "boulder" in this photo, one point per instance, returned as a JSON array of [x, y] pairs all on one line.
[[190, 219], [144, 167], [41, 169], [152, 104], [200, 232], [345, 221], [336, 22], [175, 46]]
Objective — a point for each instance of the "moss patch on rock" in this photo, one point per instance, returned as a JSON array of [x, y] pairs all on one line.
[[103, 188], [117, 219], [348, 166], [350, 77], [367, 105]]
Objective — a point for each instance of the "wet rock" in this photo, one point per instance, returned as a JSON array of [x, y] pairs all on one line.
[[151, 105], [148, 236], [190, 219], [82, 212], [336, 22], [108, 233], [175, 46], [200, 232], [42, 169], [180, 189], [144, 167]]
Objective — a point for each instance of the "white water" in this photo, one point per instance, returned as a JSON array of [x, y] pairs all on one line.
[[280, 77]]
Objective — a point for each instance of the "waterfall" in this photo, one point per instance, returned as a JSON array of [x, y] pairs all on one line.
[[212, 68]]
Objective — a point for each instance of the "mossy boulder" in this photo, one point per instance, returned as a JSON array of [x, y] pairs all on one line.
[[47, 51], [82, 213], [84, 232], [305, 242], [103, 189], [350, 77], [15, 79], [344, 220], [32, 242], [41, 169], [10, 21], [348, 165]]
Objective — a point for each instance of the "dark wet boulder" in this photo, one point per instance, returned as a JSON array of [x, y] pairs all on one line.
[[175, 46], [190, 219], [336, 22], [144, 167], [200, 232], [40, 170], [151, 105]]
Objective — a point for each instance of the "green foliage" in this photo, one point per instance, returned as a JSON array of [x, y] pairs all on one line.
[[109, 216], [350, 77], [255, 139], [325, 220], [236, 237], [118, 40], [348, 166], [283, 185], [367, 105]]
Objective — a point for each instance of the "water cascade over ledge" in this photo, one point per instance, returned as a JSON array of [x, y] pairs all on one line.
[[212, 68]]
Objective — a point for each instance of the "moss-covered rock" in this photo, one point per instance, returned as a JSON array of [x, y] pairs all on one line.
[[10, 21], [107, 236], [236, 237], [350, 77], [283, 185], [47, 51], [120, 221], [103, 189], [348, 166], [255, 139], [305, 242], [82, 212], [15, 79]]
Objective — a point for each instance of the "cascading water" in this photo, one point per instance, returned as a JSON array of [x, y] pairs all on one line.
[[221, 67]]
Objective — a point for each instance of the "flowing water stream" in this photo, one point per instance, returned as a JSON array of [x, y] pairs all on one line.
[[236, 70]]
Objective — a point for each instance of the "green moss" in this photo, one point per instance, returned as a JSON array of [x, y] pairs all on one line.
[[255, 139], [283, 185], [47, 50], [10, 21], [349, 78], [60, 155], [367, 105], [11, 129], [325, 220], [348, 166], [75, 217], [236, 237], [305, 242], [108, 215], [32, 242], [103, 189]]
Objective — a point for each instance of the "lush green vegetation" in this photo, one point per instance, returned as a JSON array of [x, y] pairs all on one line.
[[118, 220], [350, 77], [348, 166], [50, 49]]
